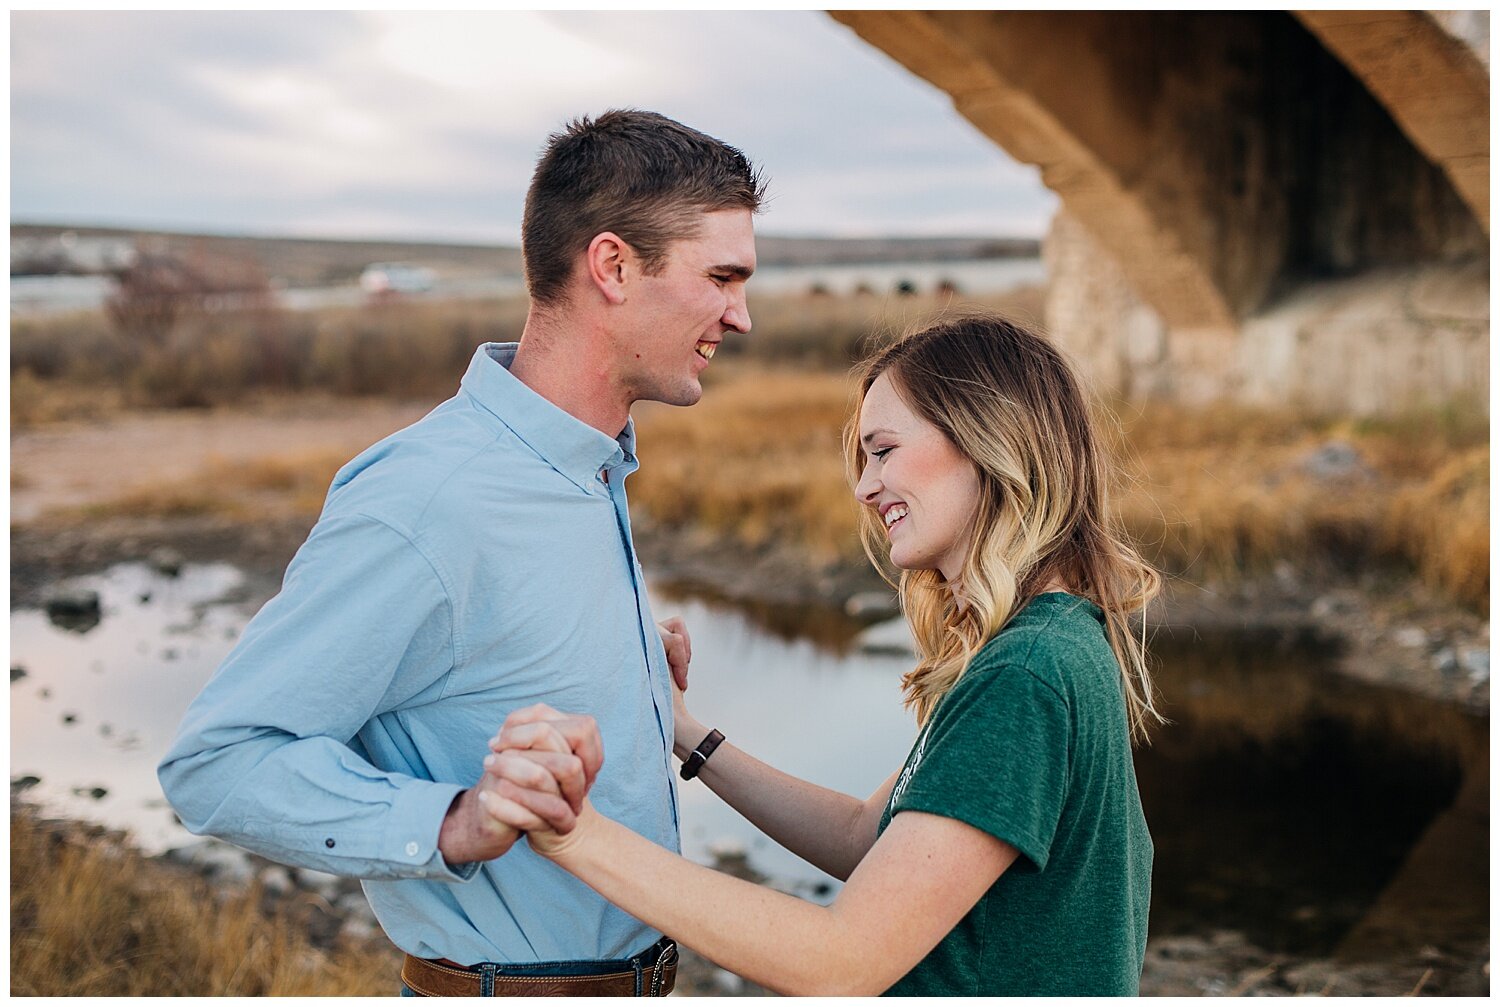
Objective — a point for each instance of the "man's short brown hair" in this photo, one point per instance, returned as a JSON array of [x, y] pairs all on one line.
[[637, 174]]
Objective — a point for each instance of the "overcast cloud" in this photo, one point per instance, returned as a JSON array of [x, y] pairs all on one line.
[[385, 124]]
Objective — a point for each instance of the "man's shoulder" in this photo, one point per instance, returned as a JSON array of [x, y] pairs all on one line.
[[397, 479]]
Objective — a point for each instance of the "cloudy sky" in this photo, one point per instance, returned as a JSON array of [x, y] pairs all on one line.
[[383, 124]]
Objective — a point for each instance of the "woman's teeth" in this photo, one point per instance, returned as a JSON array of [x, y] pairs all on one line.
[[895, 514]]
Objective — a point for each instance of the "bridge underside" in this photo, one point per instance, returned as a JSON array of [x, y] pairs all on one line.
[[1247, 198]]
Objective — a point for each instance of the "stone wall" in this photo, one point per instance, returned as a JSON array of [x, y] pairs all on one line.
[[1381, 342]]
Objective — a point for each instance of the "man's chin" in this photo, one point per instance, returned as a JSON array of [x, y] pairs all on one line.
[[685, 395]]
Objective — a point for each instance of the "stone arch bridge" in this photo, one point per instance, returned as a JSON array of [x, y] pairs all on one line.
[[1282, 208]]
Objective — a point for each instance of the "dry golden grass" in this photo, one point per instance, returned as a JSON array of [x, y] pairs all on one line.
[[1207, 493], [1443, 524], [68, 364], [292, 485], [757, 460], [92, 917], [835, 332], [1220, 491], [34, 402]]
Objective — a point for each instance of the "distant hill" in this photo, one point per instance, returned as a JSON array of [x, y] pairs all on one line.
[[302, 262]]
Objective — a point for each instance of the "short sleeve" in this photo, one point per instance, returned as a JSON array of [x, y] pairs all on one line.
[[995, 755]]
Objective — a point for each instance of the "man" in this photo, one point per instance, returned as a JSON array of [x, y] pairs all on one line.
[[478, 562]]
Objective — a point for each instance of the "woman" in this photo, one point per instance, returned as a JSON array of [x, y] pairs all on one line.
[[1009, 854]]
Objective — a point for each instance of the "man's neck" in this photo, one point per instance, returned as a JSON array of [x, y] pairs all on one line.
[[554, 360]]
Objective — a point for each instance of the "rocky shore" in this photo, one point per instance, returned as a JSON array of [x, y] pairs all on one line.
[[335, 915]]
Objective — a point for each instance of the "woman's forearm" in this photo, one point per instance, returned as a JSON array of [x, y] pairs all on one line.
[[778, 941], [819, 825]]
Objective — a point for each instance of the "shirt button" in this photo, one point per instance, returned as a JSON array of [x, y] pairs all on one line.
[[411, 849], [328, 843]]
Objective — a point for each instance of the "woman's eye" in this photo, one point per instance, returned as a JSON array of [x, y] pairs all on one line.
[[881, 453]]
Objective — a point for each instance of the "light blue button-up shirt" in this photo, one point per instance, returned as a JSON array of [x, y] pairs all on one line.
[[476, 562]]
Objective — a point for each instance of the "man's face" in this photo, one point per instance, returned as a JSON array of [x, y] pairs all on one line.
[[679, 315]]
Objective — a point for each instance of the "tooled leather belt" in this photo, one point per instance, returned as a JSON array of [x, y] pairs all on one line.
[[656, 976]]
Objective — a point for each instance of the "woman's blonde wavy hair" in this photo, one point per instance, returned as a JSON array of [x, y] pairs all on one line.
[[1010, 403]]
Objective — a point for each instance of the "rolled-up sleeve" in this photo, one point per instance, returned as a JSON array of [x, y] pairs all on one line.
[[362, 626]]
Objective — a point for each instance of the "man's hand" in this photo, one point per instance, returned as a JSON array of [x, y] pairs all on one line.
[[679, 647], [469, 834]]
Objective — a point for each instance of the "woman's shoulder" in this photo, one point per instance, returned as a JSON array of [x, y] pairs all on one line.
[[1053, 638]]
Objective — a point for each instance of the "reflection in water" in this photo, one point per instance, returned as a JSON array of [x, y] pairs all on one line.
[[1314, 813], [824, 625], [1283, 800], [94, 712]]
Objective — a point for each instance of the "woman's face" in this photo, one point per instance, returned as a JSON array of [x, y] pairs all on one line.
[[923, 488]]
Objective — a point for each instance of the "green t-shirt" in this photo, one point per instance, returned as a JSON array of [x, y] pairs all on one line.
[[1032, 746]]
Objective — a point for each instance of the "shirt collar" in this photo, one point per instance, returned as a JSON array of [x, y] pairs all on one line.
[[565, 442]]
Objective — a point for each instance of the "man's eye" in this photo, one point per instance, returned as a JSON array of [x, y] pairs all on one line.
[[722, 279]]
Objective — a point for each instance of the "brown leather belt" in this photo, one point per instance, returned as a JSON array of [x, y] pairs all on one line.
[[655, 976]]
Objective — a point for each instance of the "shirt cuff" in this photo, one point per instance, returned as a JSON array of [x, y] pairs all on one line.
[[416, 820]]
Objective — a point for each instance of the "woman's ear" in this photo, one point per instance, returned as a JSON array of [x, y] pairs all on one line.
[[608, 262]]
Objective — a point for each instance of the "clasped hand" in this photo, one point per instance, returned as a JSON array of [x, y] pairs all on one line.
[[542, 763]]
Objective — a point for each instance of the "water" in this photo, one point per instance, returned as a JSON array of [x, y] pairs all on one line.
[[97, 708], [1310, 812], [46, 295]]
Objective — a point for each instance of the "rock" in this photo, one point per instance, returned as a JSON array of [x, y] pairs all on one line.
[[1336, 461], [872, 606], [1286, 576], [326, 885], [1445, 661], [1410, 636], [213, 859], [1327, 606], [97, 793], [74, 609], [17, 673], [890, 637], [354, 905], [1476, 661], [728, 983], [727, 847], [19, 783], [167, 562], [70, 718], [275, 879], [358, 928]]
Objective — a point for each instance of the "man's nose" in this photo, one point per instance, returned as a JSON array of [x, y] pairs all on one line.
[[737, 315]]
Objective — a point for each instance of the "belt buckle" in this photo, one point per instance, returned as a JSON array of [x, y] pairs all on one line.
[[667, 957]]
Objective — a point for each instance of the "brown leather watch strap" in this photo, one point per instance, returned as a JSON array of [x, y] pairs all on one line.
[[699, 756]]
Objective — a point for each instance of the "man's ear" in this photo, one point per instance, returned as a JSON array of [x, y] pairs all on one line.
[[608, 260]]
